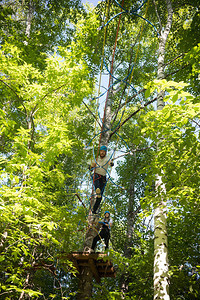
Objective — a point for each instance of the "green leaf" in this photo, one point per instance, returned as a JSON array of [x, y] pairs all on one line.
[[147, 93]]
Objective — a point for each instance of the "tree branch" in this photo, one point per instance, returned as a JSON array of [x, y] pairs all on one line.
[[159, 20], [132, 151], [34, 109], [175, 58], [14, 93], [177, 71], [129, 100], [92, 113], [131, 115]]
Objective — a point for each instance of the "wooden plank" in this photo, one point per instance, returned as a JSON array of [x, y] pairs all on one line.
[[101, 263], [94, 270], [81, 255], [83, 263], [99, 267]]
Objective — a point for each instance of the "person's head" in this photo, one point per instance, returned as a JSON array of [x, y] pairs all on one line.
[[107, 214], [103, 150]]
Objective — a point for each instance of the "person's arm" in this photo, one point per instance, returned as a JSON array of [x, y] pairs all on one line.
[[110, 223], [93, 164]]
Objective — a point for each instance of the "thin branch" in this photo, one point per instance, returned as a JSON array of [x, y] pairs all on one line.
[[196, 123], [92, 113], [51, 92], [175, 58], [131, 152], [129, 100], [14, 93], [131, 115], [159, 20], [177, 70]]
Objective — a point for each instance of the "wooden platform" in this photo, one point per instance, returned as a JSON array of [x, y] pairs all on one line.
[[97, 262]]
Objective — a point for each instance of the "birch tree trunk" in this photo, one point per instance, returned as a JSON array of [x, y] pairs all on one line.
[[29, 17], [161, 278]]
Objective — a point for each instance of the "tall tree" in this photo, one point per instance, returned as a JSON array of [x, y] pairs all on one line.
[[38, 28], [161, 278], [44, 125], [35, 203]]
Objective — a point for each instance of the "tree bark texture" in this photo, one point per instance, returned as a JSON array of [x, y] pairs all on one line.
[[105, 135], [129, 238], [130, 235], [29, 18], [161, 278], [85, 284]]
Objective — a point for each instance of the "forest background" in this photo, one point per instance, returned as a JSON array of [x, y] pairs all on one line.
[[52, 55]]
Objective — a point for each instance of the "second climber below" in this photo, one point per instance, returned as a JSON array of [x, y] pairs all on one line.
[[100, 167], [106, 224]]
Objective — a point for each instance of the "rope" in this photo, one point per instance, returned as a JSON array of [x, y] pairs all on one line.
[[101, 67], [125, 80], [111, 71], [132, 71], [135, 60]]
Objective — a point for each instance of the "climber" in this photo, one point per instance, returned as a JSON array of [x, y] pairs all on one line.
[[105, 231], [100, 167]]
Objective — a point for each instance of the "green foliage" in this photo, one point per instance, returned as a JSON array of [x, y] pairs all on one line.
[[36, 219], [44, 126], [38, 27]]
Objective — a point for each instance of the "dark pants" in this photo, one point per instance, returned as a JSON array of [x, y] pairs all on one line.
[[104, 234], [99, 182]]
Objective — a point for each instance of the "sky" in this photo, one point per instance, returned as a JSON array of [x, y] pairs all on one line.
[[94, 2]]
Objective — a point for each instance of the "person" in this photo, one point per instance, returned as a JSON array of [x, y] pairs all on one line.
[[100, 167], [105, 231]]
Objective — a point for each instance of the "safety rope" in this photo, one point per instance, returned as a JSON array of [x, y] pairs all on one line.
[[131, 77], [97, 102], [111, 71], [129, 85], [128, 82]]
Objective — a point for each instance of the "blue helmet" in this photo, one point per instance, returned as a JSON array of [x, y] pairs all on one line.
[[103, 148], [107, 212]]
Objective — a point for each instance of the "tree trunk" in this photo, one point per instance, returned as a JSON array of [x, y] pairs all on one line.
[[130, 222], [131, 215], [161, 277], [85, 284], [105, 135], [129, 238], [29, 18], [104, 139], [85, 281]]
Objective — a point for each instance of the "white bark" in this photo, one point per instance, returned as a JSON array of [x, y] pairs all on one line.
[[161, 277], [29, 17]]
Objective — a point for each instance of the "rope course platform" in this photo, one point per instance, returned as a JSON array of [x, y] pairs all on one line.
[[97, 262]]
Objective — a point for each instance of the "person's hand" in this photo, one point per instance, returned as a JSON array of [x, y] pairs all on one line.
[[111, 163]]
